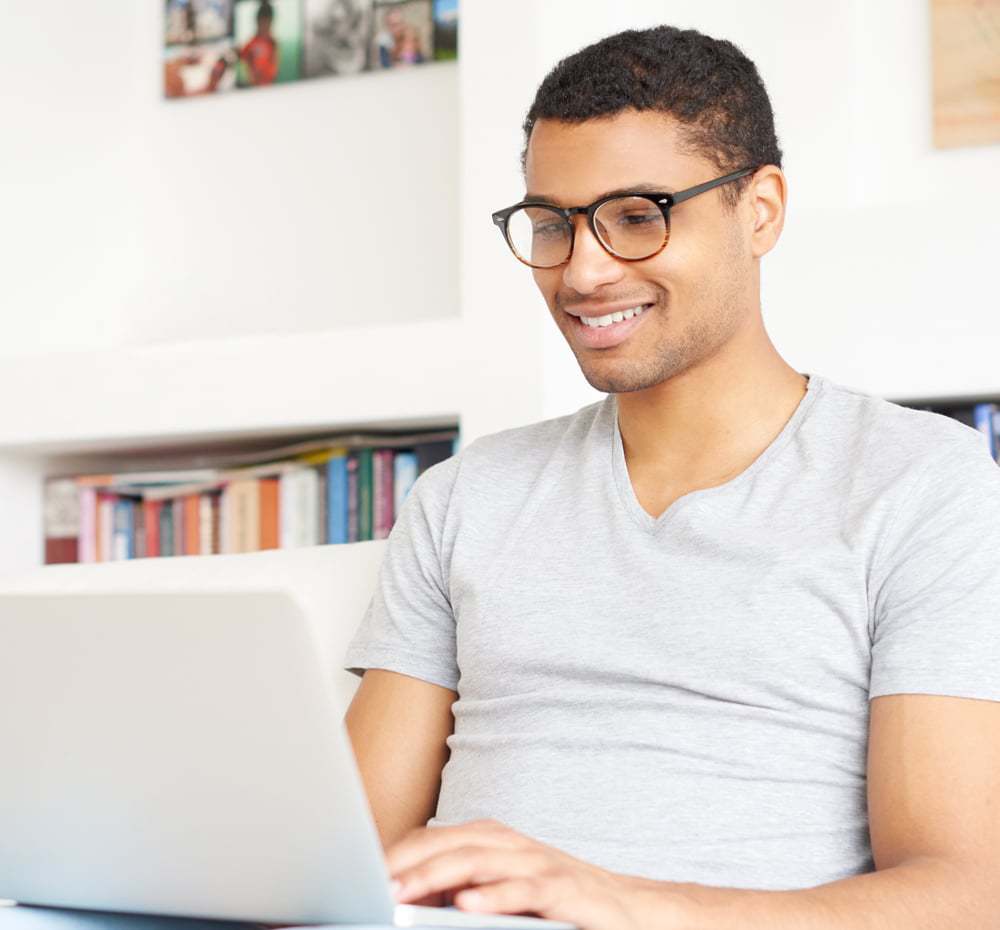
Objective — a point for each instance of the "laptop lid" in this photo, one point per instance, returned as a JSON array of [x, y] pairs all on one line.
[[179, 754]]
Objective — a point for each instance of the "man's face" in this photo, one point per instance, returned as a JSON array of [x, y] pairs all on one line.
[[697, 292]]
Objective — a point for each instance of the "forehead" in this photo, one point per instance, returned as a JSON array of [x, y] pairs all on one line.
[[574, 163]]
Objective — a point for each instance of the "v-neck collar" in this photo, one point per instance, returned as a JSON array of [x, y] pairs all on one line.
[[646, 520]]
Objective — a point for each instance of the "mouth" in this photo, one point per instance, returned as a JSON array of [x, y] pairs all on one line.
[[612, 329]]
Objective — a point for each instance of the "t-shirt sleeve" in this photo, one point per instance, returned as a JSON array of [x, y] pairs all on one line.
[[936, 580], [409, 626]]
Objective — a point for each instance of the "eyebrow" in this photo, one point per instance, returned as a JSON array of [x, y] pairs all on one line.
[[644, 187]]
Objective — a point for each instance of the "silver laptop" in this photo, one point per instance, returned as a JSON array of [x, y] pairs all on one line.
[[181, 754]]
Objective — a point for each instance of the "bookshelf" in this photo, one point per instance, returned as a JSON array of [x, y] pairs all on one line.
[[212, 396]]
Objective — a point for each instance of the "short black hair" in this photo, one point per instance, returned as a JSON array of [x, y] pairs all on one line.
[[708, 85]]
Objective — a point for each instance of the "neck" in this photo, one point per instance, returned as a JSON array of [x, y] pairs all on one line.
[[709, 422]]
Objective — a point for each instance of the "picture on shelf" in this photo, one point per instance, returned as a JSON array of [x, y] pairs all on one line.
[[268, 41], [965, 38], [212, 46], [190, 70], [445, 29], [336, 36], [404, 33], [199, 57], [191, 21]]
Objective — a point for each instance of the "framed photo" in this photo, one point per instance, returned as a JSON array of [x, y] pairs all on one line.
[[337, 36], [445, 30], [268, 36], [403, 34]]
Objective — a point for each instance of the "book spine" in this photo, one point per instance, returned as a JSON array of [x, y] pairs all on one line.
[[336, 500], [61, 520], [105, 525], [177, 506], [364, 494], [319, 530], [405, 467], [166, 528], [192, 524], [216, 499], [352, 497], [205, 524], [138, 530], [121, 538], [87, 542], [384, 484], [270, 536], [152, 527]]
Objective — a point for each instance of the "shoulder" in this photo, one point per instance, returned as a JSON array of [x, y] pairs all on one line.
[[509, 458], [888, 443]]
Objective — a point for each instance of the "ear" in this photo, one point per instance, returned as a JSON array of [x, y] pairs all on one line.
[[766, 196]]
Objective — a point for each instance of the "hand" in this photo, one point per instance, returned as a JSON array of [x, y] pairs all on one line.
[[491, 868]]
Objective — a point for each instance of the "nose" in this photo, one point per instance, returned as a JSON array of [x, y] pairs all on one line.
[[591, 266]]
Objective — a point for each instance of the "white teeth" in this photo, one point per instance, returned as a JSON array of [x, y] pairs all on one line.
[[617, 317]]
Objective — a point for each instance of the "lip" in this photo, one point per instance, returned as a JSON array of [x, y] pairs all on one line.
[[604, 309], [605, 337]]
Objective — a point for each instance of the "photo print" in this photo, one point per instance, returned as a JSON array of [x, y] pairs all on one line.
[[404, 34], [199, 57], [337, 34], [445, 30], [268, 41]]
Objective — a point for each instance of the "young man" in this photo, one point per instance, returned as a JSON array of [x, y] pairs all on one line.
[[720, 650]]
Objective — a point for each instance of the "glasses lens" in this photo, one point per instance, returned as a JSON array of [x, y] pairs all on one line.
[[540, 236], [632, 227]]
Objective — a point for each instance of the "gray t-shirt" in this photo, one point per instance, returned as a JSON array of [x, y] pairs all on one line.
[[686, 697]]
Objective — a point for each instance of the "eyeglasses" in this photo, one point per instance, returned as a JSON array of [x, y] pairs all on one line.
[[630, 225]]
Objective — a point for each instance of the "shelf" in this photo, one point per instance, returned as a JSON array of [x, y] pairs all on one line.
[[399, 376]]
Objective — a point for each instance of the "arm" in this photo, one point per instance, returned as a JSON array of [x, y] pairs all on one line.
[[934, 813], [398, 726]]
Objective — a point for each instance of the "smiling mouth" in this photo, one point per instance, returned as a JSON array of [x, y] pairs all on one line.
[[610, 319]]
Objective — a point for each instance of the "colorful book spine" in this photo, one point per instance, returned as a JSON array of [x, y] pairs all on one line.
[[87, 543], [384, 481], [122, 540], [336, 499], [270, 517], [152, 527], [353, 522], [365, 522]]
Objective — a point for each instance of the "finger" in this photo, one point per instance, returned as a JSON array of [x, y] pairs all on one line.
[[467, 865], [425, 842], [520, 895]]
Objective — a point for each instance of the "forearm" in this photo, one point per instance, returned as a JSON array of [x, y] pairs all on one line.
[[922, 894]]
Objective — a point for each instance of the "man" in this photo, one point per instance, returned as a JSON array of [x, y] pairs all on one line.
[[720, 650]]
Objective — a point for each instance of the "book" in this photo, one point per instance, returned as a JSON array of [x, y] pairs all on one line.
[[87, 545], [152, 511], [270, 537], [364, 494], [61, 508], [336, 499], [352, 496], [405, 468]]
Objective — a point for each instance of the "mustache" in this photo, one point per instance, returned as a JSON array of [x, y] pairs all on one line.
[[569, 298]]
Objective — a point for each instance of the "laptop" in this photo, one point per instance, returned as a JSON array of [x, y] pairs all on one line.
[[181, 754]]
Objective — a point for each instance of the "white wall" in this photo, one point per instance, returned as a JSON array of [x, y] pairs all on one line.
[[132, 220], [885, 275]]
